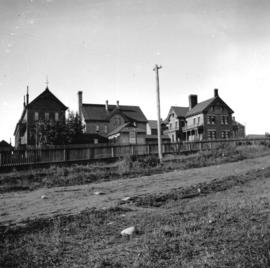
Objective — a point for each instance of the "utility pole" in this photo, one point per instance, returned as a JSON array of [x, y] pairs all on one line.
[[158, 112]]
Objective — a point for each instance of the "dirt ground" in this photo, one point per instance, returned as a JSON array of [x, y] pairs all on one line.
[[19, 207]]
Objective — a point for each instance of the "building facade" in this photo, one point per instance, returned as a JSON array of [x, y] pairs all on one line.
[[208, 120], [121, 124], [175, 122], [44, 108]]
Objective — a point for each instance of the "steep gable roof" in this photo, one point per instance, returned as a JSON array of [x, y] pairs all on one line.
[[46, 95], [202, 106], [97, 112], [180, 111]]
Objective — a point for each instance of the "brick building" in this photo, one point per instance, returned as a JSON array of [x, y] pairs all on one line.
[[121, 124], [45, 107], [207, 120]]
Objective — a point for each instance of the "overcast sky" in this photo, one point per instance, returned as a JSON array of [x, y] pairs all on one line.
[[107, 49]]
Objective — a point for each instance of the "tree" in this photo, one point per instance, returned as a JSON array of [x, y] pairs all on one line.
[[59, 133]]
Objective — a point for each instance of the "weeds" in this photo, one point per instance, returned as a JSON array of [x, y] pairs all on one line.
[[127, 167]]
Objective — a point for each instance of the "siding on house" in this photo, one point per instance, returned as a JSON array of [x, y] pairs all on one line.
[[45, 107], [104, 119]]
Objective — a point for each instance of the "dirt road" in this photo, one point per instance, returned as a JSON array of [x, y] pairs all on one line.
[[18, 207]]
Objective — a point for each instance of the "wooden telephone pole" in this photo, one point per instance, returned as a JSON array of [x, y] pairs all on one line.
[[158, 113]]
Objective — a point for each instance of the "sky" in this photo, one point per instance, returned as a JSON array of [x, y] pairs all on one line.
[[108, 48]]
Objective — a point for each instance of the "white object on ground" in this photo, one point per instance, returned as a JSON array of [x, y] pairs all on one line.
[[44, 196], [99, 193], [128, 231], [126, 198]]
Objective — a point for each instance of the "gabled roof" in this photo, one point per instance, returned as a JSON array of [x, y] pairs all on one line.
[[152, 124], [3, 143], [48, 95], [124, 128], [202, 106], [98, 112], [180, 111]]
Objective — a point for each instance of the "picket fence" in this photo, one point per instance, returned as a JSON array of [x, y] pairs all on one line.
[[78, 153]]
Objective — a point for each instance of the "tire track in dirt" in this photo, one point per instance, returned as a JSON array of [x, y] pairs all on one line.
[[19, 207]]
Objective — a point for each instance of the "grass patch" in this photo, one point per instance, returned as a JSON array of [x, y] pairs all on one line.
[[126, 168], [227, 226]]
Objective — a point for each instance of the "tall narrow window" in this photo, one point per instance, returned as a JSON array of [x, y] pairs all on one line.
[[36, 116], [226, 120], [47, 116], [97, 128], [56, 116], [106, 129]]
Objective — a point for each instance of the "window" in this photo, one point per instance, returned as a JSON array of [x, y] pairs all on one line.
[[194, 121], [224, 120], [170, 125], [36, 116], [56, 116], [97, 128], [176, 124], [47, 116], [95, 141], [212, 134], [198, 120], [211, 120], [222, 134], [106, 129]]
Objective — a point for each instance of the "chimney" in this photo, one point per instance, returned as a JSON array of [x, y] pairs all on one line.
[[107, 105], [215, 92], [193, 100], [27, 96], [117, 104], [80, 103]]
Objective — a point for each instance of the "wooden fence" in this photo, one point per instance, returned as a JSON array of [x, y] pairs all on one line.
[[77, 153]]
